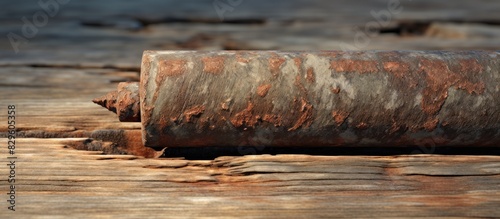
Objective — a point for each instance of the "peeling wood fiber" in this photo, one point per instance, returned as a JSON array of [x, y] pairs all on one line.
[[367, 98]]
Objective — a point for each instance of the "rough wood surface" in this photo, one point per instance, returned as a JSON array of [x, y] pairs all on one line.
[[89, 46], [58, 181]]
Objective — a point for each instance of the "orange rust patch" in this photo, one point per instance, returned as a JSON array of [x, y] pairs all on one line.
[[263, 89], [168, 68], [274, 119], [127, 106], [310, 75], [298, 62], [439, 78], [335, 90], [399, 69], [172, 67], [339, 116], [245, 117], [160, 78], [145, 71], [349, 65], [204, 122], [146, 112], [431, 124], [146, 65], [477, 88], [470, 65], [132, 141], [305, 117], [331, 54], [163, 122], [275, 64], [194, 111], [241, 59], [108, 101], [213, 64], [299, 84]]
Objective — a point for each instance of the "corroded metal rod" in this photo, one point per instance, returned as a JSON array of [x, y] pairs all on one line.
[[332, 98]]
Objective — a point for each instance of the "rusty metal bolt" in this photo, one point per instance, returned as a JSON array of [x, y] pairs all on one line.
[[367, 98], [124, 102]]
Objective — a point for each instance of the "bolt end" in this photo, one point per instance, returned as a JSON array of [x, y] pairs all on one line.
[[124, 102], [107, 101]]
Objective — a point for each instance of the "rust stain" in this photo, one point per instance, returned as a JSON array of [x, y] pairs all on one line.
[[439, 78], [146, 112], [399, 69], [298, 62], [172, 67], [310, 77], [331, 54], [145, 71], [470, 65], [241, 59], [350, 65], [194, 111], [245, 117], [298, 83], [213, 64], [204, 122], [127, 105], [477, 88], [160, 78], [132, 143], [431, 124], [273, 119], [263, 89], [108, 101], [168, 68], [275, 64], [305, 117], [335, 90], [146, 64], [124, 141], [145, 75], [339, 116], [163, 121]]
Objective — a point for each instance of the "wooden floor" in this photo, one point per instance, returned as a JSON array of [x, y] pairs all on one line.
[[57, 181], [87, 48]]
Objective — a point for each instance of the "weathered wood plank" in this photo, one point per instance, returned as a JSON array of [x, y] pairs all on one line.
[[280, 186]]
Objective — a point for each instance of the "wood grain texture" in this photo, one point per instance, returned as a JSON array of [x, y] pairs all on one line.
[[58, 181]]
